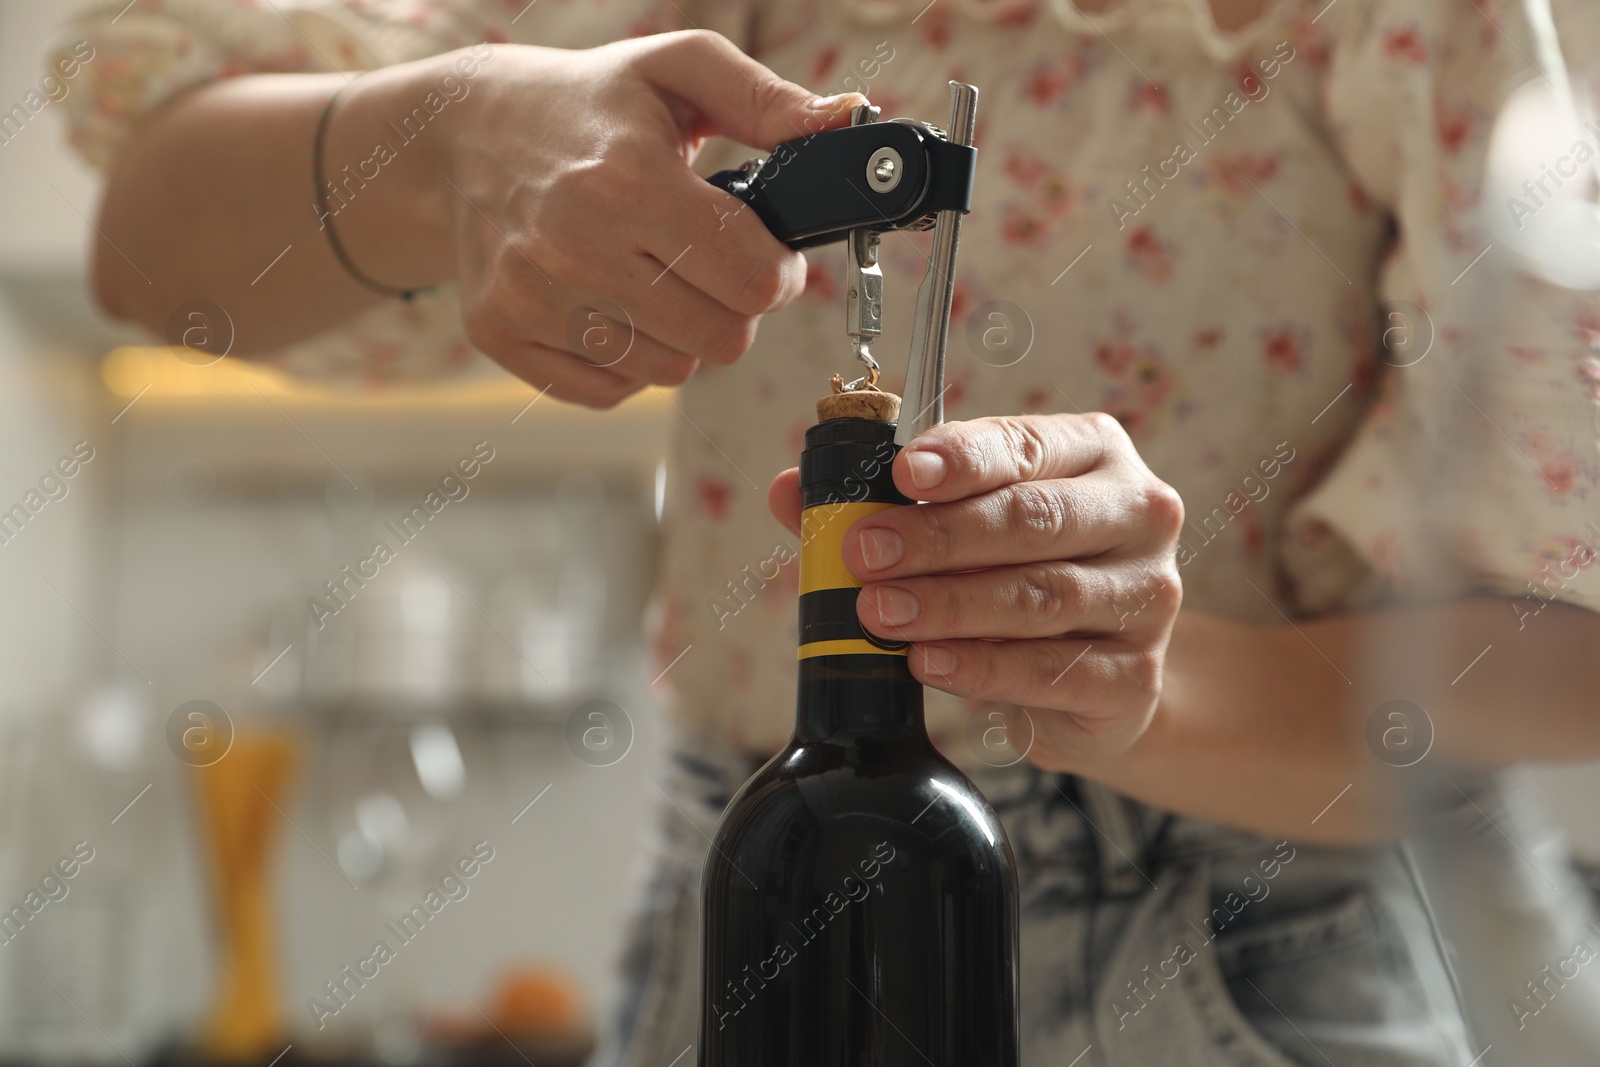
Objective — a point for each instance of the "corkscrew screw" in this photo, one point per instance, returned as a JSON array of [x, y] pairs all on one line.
[[857, 183]]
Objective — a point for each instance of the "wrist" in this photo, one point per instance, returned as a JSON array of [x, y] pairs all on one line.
[[386, 158], [1239, 737]]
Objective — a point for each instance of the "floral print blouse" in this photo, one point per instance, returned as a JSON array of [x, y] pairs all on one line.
[[1269, 253]]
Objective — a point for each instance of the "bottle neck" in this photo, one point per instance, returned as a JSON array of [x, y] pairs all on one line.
[[852, 683], [842, 699]]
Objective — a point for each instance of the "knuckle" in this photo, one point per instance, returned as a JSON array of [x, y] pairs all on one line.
[[1162, 508], [1040, 516], [525, 262], [1045, 596], [765, 90], [1107, 426], [569, 191], [707, 40], [1047, 665], [1151, 601], [1169, 594], [726, 342], [1025, 446], [1143, 669], [695, 43], [762, 289], [962, 447], [1164, 594], [588, 180]]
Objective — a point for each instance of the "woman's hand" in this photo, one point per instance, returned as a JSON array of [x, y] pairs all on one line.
[[554, 185], [591, 258], [1040, 573]]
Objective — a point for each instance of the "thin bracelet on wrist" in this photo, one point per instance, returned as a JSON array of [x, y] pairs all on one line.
[[321, 186]]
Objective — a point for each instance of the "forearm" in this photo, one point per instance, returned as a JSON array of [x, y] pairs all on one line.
[[202, 201], [1262, 727]]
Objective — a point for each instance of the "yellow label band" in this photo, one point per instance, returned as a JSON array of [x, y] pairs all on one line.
[[846, 648], [822, 530]]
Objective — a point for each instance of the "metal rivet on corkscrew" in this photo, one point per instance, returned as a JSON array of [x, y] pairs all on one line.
[[884, 169]]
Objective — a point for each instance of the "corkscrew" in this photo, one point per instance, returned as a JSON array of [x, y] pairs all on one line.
[[857, 183]]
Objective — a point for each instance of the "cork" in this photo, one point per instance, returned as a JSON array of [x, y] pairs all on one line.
[[870, 403]]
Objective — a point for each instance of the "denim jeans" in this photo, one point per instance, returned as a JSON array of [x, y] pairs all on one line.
[[1147, 940]]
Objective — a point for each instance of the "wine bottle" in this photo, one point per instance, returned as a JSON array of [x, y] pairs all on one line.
[[860, 903]]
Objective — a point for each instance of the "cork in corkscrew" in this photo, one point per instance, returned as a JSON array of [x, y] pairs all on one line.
[[862, 402]]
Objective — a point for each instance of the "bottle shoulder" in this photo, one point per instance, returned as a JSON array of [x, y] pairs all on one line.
[[822, 798]]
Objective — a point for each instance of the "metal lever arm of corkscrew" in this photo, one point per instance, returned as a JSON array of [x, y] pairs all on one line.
[[923, 404]]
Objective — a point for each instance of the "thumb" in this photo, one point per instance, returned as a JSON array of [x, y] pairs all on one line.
[[734, 95], [783, 497]]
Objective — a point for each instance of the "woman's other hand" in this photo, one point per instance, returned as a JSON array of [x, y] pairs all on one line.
[[1040, 572]]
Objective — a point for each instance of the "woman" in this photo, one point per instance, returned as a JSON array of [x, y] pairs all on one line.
[[1196, 218]]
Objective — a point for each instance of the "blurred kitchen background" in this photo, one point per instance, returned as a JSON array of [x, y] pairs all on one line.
[[486, 695]]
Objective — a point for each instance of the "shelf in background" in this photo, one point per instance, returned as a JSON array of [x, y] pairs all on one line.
[[257, 433]]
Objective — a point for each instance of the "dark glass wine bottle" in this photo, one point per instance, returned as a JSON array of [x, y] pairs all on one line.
[[860, 903]]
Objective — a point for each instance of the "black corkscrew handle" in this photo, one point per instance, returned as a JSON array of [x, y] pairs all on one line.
[[894, 175]]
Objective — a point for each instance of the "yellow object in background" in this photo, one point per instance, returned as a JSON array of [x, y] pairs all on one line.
[[239, 797]]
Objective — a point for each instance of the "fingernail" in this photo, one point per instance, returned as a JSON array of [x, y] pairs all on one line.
[[825, 103], [938, 659], [897, 606], [881, 548], [927, 468]]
